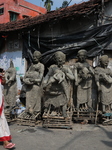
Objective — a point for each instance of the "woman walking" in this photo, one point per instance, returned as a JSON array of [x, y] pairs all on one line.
[[5, 135]]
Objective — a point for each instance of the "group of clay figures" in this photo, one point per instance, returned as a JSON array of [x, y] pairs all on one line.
[[64, 87]]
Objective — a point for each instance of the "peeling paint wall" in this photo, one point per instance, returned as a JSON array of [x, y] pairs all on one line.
[[12, 49]]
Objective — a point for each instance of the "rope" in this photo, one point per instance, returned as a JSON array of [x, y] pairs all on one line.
[[98, 43]]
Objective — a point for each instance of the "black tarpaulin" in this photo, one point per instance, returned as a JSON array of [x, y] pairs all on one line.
[[2, 38], [93, 40]]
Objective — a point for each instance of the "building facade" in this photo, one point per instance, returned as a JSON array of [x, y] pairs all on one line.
[[12, 10]]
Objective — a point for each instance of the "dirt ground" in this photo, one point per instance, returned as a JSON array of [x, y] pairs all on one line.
[[81, 137]]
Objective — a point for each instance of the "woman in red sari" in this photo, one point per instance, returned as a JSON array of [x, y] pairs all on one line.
[[5, 136]]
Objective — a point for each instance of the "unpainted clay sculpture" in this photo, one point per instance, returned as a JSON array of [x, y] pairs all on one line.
[[83, 73], [10, 87], [103, 77], [33, 79], [57, 85]]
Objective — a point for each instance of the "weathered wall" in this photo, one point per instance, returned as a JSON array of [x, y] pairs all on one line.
[[65, 27], [12, 49], [107, 18]]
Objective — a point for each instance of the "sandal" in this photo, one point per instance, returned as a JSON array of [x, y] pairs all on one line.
[[9, 146]]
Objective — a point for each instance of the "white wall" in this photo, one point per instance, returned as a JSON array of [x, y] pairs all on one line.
[[19, 63]]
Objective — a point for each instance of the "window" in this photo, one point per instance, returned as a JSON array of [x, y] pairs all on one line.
[[24, 16], [1, 11], [13, 16]]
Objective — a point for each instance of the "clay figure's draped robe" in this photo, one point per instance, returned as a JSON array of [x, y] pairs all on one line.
[[104, 76], [10, 89], [57, 94], [84, 91], [84, 88], [34, 89]]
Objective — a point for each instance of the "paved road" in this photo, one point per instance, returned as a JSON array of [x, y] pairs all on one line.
[[81, 137]]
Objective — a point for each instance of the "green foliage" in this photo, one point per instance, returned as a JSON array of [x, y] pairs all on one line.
[[48, 4], [64, 4]]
